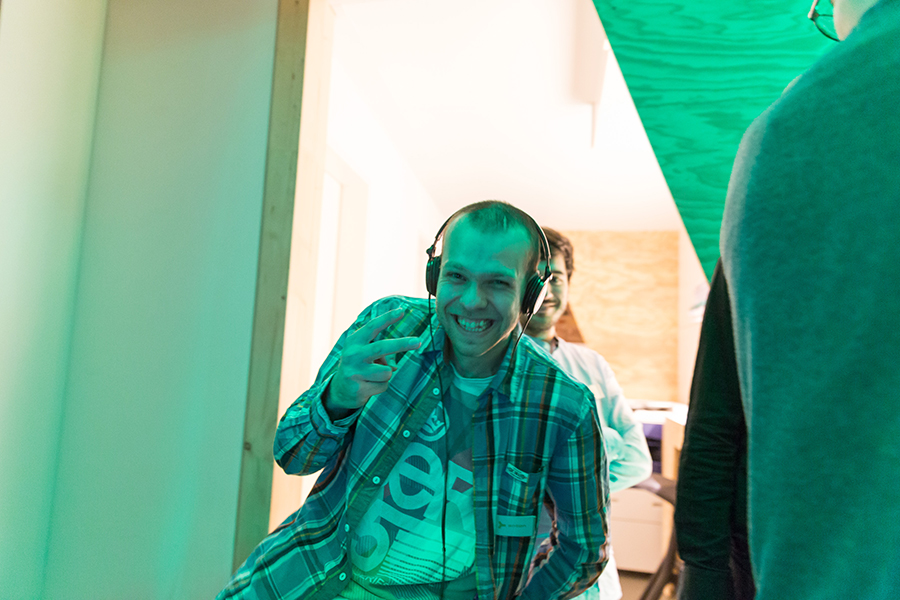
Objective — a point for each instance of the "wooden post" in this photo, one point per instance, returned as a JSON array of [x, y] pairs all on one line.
[[289, 239], [297, 370]]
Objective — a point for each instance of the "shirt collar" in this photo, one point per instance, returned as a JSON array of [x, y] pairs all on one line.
[[505, 383], [547, 346]]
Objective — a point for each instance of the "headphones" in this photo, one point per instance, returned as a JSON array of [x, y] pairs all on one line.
[[535, 288]]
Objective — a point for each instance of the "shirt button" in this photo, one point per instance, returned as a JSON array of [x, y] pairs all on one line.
[[406, 433], [346, 528], [376, 480], [343, 576], [436, 391]]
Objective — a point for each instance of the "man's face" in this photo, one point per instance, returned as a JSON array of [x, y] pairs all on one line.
[[543, 323], [479, 293]]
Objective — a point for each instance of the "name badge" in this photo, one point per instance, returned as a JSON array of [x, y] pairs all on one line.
[[509, 526]]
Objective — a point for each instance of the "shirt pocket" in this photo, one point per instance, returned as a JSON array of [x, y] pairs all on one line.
[[519, 492]]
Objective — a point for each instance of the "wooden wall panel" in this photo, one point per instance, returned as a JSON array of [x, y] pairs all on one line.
[[699, 72], [624, 295]]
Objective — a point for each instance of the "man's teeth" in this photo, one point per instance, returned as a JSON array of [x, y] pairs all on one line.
[[472, 325]]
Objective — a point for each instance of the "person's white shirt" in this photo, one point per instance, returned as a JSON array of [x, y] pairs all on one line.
[[626, 447]]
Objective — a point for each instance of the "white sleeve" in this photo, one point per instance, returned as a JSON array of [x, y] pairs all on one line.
[[629, 456]]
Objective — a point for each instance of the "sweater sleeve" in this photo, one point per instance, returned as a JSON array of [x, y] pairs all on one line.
[[710, 471]]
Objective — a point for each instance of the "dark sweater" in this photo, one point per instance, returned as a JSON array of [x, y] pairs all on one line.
[[711, 512]]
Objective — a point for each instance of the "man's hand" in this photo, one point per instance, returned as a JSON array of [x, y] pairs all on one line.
[[365, 367]]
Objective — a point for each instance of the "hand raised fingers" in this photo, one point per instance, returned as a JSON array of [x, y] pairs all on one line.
[[385, 348], [367, 332], [376, 373], [366, 366]]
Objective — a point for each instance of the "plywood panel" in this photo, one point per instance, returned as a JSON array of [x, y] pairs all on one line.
[[699, 72], [624, 294]]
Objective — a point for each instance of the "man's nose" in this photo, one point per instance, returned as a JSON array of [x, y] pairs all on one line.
[[549, 295], [472, 297]]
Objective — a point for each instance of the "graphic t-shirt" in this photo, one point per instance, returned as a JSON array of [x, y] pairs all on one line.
[[397, 551]]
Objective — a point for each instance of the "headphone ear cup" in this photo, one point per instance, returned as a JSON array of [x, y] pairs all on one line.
[[535, 291], [432, 273]]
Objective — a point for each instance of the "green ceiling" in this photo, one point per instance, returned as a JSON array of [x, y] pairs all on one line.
[[699, 72]]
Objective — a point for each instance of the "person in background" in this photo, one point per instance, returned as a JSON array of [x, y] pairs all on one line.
[[627, 451], [439, 437], [810, 244], [711, 512]]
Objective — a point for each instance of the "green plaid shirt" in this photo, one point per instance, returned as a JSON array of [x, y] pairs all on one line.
[[536, 439]]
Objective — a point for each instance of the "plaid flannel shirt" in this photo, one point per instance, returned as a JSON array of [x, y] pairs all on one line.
[[536, 439]]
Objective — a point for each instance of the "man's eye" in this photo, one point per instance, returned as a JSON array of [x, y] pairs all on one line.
[[501, 283], [454, 276]]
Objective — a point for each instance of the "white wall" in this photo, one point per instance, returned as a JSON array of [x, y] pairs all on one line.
[[693, 287], [49, 68], [401, 216], [385, 221], [143, 466]]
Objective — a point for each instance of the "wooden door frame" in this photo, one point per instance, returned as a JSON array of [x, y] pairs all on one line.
[[295, 163]]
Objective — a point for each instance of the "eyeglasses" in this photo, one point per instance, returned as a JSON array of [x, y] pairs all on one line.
[[823, 22]]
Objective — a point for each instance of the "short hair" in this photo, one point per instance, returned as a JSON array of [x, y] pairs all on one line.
[[495, 215], [560, 243]]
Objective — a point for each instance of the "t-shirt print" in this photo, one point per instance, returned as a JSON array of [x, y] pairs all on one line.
[[398, 540]]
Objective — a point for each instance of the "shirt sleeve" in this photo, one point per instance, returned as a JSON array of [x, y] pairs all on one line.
[[714, 446], [306, 438], [629, 456], [577, 485], [712, 584]]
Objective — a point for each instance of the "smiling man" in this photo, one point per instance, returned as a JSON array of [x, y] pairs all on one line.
[[478, 298], [628, 454], [810, 251], [439, 439]]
